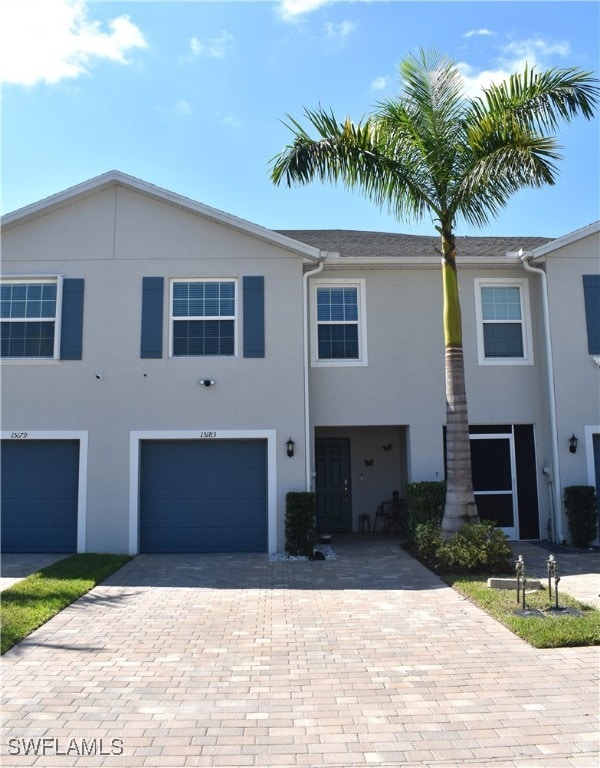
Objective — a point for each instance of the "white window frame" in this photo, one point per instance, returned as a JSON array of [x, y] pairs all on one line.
[[36, 279], [235, 317], [360, 285], [523, 286]]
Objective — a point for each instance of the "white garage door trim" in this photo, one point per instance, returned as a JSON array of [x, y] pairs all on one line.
[[135, 439], [82, 437]]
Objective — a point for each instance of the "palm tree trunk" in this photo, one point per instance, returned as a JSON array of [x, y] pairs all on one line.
[[460, 506]]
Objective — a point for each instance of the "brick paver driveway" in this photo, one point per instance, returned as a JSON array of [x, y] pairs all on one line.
[[226, 660]]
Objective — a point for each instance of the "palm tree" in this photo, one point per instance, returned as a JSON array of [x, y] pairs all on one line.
[[432, 151]]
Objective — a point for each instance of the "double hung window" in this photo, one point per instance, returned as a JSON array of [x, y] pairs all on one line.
[[503, 325], [203, 318], [29, 318], [339, 332]]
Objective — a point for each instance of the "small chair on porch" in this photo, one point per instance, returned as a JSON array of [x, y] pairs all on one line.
[[392, 514]]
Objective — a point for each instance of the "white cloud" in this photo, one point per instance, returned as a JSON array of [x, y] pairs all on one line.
[[229, 120], [380, 83], [339, 31], [215, 48], [514, 56], [52, 40], [533, 52], [478, 33], [183, 107], [292, 9], [474, 81]]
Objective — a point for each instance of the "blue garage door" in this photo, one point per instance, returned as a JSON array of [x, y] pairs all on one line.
[[39, 495], [203, 496]]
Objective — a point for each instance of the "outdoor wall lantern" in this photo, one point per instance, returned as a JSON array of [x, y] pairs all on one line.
[[573, 443], [290, 447]]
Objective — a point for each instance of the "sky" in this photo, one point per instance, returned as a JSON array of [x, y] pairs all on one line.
[[192, 96]]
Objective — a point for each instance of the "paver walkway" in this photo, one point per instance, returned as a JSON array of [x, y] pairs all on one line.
[[231, 660]]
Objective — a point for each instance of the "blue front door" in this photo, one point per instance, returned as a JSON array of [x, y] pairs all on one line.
[[333, 491]]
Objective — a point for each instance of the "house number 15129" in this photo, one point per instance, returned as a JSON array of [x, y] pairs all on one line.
[[18, 435]]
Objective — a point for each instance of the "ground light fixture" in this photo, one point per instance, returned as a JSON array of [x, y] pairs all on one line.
[[573, 443], [290, 447]]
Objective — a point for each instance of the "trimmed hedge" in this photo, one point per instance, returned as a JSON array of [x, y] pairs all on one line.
[[581, 506], [425, 502], [300, 523]]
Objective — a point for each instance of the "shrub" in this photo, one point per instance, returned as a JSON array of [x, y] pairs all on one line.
[[300, 526], [581, 506], [425, 504], [477, 548], [426, 543]]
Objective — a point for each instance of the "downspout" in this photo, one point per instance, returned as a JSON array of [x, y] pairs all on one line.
[[307, 440], [556, 511]]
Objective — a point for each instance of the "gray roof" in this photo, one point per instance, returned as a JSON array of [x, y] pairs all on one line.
[[348, 242]]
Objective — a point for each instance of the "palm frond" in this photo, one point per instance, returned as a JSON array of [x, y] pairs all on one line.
[[363, 156], [540, 101], [501, 169], [432, 151]]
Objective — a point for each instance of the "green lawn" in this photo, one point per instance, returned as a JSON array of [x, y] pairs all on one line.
[[31, 602], [551, 631]]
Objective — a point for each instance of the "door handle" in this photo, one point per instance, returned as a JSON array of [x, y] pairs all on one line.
[[345, 487]]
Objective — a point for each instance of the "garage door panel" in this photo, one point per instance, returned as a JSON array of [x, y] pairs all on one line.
[[250, 512], [218, 512], [179, 540], [47, 484], [39, 513], [39, 540], [188, 483], [249, 484], [32, 483], [220, 483], [203, 496], [252, 539], [40, 486]]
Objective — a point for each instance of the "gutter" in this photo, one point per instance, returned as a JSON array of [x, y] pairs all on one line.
[[307, 437], [553, 478]]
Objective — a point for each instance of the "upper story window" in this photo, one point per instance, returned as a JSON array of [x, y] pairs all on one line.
[[339, 326], [29, 318], [203, 318], [503, 323]]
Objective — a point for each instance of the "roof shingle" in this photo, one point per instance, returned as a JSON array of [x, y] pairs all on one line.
[[348, 242]]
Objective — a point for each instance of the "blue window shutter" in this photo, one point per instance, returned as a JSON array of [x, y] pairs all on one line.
[[254, 316], [152, 317], [71, 324], [591, 294]]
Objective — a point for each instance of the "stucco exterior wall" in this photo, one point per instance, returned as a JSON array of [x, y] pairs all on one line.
[[576, 373], [114, 233], [403, 383], [112, 240]]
